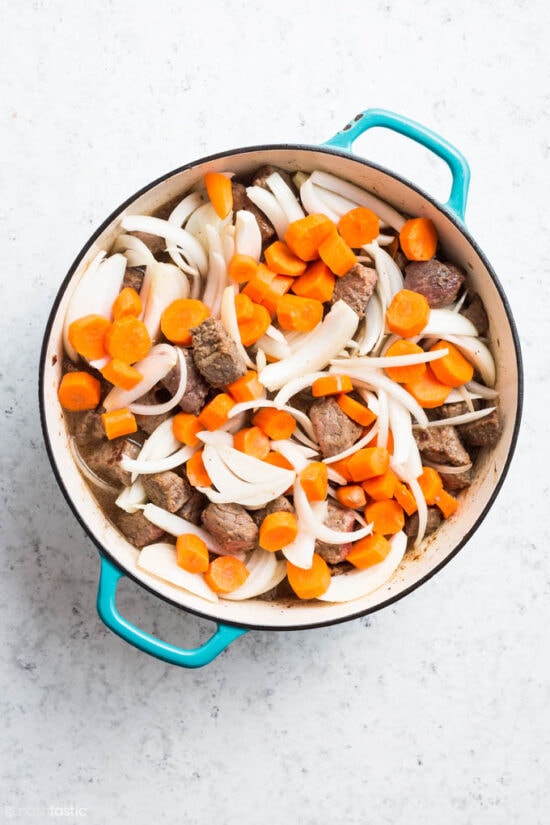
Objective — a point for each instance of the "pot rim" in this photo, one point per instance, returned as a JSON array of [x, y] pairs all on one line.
[[449, 215]]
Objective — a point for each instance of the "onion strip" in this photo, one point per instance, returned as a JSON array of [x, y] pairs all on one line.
[[321, 531], [269, 205], [159, 560], [167, 406]]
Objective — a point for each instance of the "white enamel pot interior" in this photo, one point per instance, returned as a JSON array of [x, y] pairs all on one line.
[[490, 470]]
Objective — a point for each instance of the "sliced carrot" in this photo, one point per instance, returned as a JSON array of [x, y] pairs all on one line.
[[331, 385], [381, 487], [452, 369], [225, 574], [359, 226], [405, 498], [316, 282], [280, 259], [408, 313], [428, 390], [278, 460], [121, 374], [310, 583], [216, 412], [304, 235], [242, 268], [352, 496], [277, 530], [368, 462], [355, 410], [79, 391], [409, 373], [430, 483], [252, 329], [314, 481], [341, 467], [299, 314], [220, 192], [192, 553], [368, 551], [266, 287], [87, 336], [185, 427], [119, 422], [389, 442], [387, 517], [196, 471], [418, 239], [276, 424], [246, 388], [244, 307], [447, 503], [337, 255], [252, 441], [180, 317], [127, 302]]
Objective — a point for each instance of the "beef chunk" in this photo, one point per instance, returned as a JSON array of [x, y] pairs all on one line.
[[196, 390], [156, 244], [242, 201], [231, 526], [442, 445], [475, 312], [216, 356], [355, 288], [133, 277], [333, 429], [87, 428], [434, 520], [264, 172], [149, 423], [167, 490], [485, 432], [338, 518], [191, 510], [278, 505], [137, 529], [104, 459], [438, 282]]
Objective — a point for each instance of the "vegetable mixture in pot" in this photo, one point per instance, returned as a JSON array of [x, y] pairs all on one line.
[[277, 386]]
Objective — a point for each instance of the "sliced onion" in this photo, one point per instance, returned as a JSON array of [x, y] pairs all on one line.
[[375, 378], [445, 322], [464, 418], [185, 208], [154, 367], [157, 465], [481, 391], [132, 497], [385, 361], [159, 560], [448, 469], [162, 284], [285, 196], [188, 245], [313, 203], [217, 280], [387, 269], [315, 525], [228, 316], [177, 526], [161, 442], [217, 438], [275, 349], [477, 353], [358, 583], [295, 454], [269, 205], [383, 419], [167, 406], [400, 425], [300, 551], [266, 571], [258, 403], [296, 385], [255, 471], [359, 197], [373, 325], [230, 487], [411, 468], [134, 250], [248, 238]]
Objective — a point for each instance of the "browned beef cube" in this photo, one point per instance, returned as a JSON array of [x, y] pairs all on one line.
[[242, 201], [104, 459], [167, 490], [475, 312], [191, 509], [278, 505], [333, 429], [441, 445], [438, 282], [338, 518], [485, 432], [355, 288], [231, 526], [133, 277], [216, 355], [264, 172], [433, 521], [87, 428], [196, 389], [137, 529]]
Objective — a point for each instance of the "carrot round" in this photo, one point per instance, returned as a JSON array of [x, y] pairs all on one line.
[[368, 551], [216, 412], [282, 260], [387, 517], [452, 369], [408, 313], [368, 462], [299, 314], [304, 235], [220, 192], [381, 487], [316, 282], [447, 503], [244, 307], [428, 390], [242, 268], [359, 226], [252, 441], [192, 553], [276, 424], [251, 329], [246, 388], [355, 410], [403, 374], [418, 239], [266, 287], [87, 336], [314, 480], [277, 530], [128, 339], [196, 471], [180, 317], [311, 583], [352, 496], [127, 302], [119, 422], [79, 391], [185, 427], [337, 255], [405, 498], [341, 467], [121, 374], [331, 385], [225, 574], [430, 483]]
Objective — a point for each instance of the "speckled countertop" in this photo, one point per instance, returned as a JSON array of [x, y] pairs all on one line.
[[435, 710]]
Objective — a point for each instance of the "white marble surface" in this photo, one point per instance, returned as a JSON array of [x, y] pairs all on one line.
[[436, 710]]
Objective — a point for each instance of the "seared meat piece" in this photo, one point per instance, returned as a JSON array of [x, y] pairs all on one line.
[[333, 429], [137, 529], [242, 201], [475, 312], [264, 172], [278, 505], [193, 507], [104, 459], [438, 282], [442, 445], [133, 277], [338, 518], [87, 428], [216, 356], [149, 423], [434, 520], [153, 242], [232, 527], [485, 432], [196, 390], [167, 490], [355, 288]]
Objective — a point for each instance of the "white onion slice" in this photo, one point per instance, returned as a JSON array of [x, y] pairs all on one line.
[[295, 454], [185, 208], [259, 403], [162, 284], [167, 406], [481, 391], [255, 471], [228, 316], [265, 572], [464, 418], [286, 197], [387, 269], [136, 252], [445, 322], [275, 349], [269, 205], [357, 583], [321, 531], [248, 238], [300, 551], [157, 465], [400, 425], [313, 203], [360, 197], [177, 526], [160, 560], [154, 367], [296, 385], [478, 354], [188, 245], [448, 469], [132, 497], [373, 325], [383, 361]]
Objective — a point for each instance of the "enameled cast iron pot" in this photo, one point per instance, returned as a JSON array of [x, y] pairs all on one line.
[[118, 557]]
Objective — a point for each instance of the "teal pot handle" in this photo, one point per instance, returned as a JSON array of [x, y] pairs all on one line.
[[108, 612], [454, 159]]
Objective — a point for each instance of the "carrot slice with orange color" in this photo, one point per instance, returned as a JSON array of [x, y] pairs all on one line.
[[282, 260], [128, 339], [411, 372], [452, 369], [314, 481], [331, 385], [316, 282], [352, 496], [368, 462], [277, 530], [121, 374], [337, 255], [387, 516], [359, 226], [311, 583], [192, 553], [216, 412], [87, 336], [185, 427], [252, 441], [225, 574], [408, 313], [196, 471], [299, 314], [304, 235], [119, 422], [428, 390], [127, 302], [368, 551], [79, 391], [418, 239], [355, 410], [220, 192], [180, 317], [242, 268], [246, 388], [277, 424]]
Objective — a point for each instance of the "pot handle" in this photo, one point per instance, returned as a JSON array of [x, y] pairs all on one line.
[[108, 612], [454, 159]]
